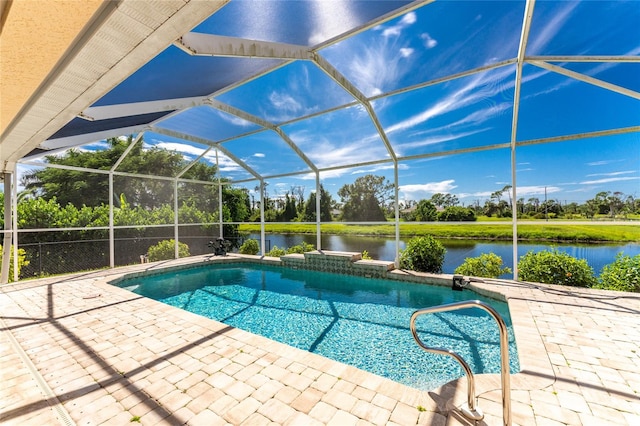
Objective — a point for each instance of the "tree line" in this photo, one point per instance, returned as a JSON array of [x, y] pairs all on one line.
[[56, 197], [370, 198]]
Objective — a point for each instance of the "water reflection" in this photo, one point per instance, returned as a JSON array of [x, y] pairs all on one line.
[[597, 255]]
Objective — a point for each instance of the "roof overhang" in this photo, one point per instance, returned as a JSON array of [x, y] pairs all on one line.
[[116, 40]]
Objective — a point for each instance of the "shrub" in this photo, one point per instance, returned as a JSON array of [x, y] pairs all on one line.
[[623, 274], [555, 267], [249, 247], [165, 250], [457, 214], [22, 261], [487, 265], [423, 254], [276, 252], [426, 211], [301, 248]]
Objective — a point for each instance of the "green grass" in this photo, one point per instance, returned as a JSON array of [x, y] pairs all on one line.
[[528, 231]]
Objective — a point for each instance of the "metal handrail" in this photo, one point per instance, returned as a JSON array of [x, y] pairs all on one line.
[[471, 411]]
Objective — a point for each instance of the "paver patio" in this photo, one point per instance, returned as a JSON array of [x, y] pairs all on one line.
[[75, 349]]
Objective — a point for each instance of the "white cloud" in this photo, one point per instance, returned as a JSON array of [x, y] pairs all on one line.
[[375, 66], [570, 81], [405, 52], [96, 146], [601, 163], [608, 180], [425, 190], [481, 194], [465, 95], [285, 102], [522, 191], [226, 164], [259, 155], [395, 30], [379, 62], [541, 39], [182, 148], [536, 190], [613, 173], [328, 154], [295, 96], [607, 65], [428, 41], [583, 190], [474, 118], [409, 18], [563, 83], [378, 168], [440, 138], [329, 149]]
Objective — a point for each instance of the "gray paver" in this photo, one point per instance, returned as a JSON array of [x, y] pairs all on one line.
[[113, 357]]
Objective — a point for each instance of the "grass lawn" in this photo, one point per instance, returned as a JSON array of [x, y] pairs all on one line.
[[527, 231]]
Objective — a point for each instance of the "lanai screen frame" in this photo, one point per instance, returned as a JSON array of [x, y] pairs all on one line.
[[211, 45]]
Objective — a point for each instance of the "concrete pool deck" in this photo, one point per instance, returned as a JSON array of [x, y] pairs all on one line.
[[76, 350]]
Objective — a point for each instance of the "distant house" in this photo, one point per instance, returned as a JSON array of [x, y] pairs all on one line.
[[409, 210]]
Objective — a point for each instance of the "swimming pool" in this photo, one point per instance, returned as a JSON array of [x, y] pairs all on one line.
[[358, 321]]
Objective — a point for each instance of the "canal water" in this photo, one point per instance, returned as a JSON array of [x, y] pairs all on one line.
[[597, 255]]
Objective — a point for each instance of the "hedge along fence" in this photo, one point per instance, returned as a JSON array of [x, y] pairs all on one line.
[[22, 261]]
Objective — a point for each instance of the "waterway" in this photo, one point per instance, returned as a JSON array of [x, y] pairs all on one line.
[[382, 248]]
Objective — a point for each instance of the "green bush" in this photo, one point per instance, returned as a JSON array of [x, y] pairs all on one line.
[[426, 211], [623, 274], [249, 247], [276, 252], [22, 261], [457, 214], [301, 248], [488, 265], [423, 254], [165, 250], [555, 267]]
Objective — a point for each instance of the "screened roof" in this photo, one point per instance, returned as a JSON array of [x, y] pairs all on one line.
[[279, 89]]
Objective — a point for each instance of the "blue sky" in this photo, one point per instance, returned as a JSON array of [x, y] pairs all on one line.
[[388, 64]]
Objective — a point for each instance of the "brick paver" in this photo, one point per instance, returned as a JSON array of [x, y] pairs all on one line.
[[106, 356]]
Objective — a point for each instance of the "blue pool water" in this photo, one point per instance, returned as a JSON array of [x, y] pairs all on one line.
[[358, 321]]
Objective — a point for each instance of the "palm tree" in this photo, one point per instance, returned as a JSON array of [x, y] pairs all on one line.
[[507, 189]]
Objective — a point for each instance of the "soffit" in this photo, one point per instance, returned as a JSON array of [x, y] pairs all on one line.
[[120, 37], [34, 37]]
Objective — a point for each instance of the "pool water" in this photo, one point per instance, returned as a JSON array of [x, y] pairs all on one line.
[[359, 321]]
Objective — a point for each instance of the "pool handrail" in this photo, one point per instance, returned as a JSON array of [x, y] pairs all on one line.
[[471, 411]]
